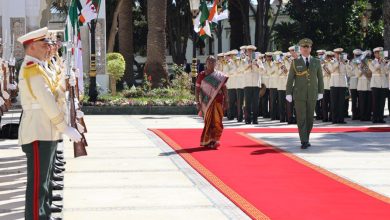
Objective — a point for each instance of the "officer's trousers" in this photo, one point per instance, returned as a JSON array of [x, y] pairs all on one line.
[[305, 115], [40, 155]]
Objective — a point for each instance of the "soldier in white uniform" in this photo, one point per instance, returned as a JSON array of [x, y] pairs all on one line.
[[353, 84], [252, 73], [318, 109], [338, 87], [363, 88], [41, 124], [265, 110], [240, 83], [379, 86], [326, 100], [283, 68], [229, 70], [291, 119], [272, 74]]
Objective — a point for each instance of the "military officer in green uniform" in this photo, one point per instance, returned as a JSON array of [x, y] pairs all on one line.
[[305, 83], [41, 125]]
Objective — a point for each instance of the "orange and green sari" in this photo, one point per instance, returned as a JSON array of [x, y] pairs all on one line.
[[211, 108]]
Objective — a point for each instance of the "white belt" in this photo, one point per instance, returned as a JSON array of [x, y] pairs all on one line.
[[31, 107]]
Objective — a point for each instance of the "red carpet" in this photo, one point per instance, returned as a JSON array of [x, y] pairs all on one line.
[[268, 183]]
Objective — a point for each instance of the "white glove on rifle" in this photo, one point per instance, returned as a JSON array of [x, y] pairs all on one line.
[[1, 101], [79, 114], [72, 81], [5, 94], [80, 128], [320, 96], [12, 86], [73, 134], [289, 98]]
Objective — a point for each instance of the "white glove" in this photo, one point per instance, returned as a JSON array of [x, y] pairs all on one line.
[[80, 128], [79, 114], [1, 101], [289, 98], [73, 134], [72, 81], [12, 86], [320, 96], [5, 94]]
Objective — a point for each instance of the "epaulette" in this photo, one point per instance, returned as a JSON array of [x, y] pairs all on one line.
[[33, 69]]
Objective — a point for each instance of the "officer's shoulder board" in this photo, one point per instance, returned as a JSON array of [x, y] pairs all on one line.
[[32, 69]]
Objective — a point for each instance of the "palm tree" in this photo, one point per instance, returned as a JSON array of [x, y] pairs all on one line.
[[125, 37], [155, 67]]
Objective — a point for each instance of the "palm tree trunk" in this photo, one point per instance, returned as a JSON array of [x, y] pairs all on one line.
[[386, 20], [114, 28], [126, 47], [155, 64]]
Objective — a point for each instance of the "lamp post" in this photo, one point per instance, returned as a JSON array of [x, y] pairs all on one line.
[[194, 6]]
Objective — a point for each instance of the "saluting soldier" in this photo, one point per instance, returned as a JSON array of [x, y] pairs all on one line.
[[305, 84], [41, 124], [379, 86], [338, 87]]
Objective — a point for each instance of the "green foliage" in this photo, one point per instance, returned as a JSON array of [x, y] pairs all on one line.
[[285, 35], [332, 24], [116, 65]]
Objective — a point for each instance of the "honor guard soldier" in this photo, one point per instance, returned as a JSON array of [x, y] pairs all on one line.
[[233, 64], [379, 86], [318, 110], [265, 79], [283, 67], [291, 115], [326, 73], [41, 124], [272, 71], [240, 80], [305, 84], [353, 84], [253, 71], [231, 87], [363, 87], [338, 87]]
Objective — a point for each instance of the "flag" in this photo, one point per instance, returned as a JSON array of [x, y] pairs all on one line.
[[89, 11]]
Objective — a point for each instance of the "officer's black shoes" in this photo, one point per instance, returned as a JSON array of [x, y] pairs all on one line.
[[255, 122], [305, 145], [57, 186], [57, 197], [239, 120], [58, 178], [55, 218], [247, 122], [54, 208]]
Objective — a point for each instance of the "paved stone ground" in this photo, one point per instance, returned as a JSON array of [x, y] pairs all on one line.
[[132, 174]]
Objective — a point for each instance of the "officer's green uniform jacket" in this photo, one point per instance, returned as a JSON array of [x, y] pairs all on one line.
[[305, 84]]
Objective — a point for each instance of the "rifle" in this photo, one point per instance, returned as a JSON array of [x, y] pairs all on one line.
[[7, 101], [79, 147], [3, 108], [82, 122]]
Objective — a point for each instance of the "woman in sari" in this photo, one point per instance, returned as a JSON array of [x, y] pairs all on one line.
[[212, 100]]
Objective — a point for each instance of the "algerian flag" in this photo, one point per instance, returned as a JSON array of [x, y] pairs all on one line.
[[88, 12]]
